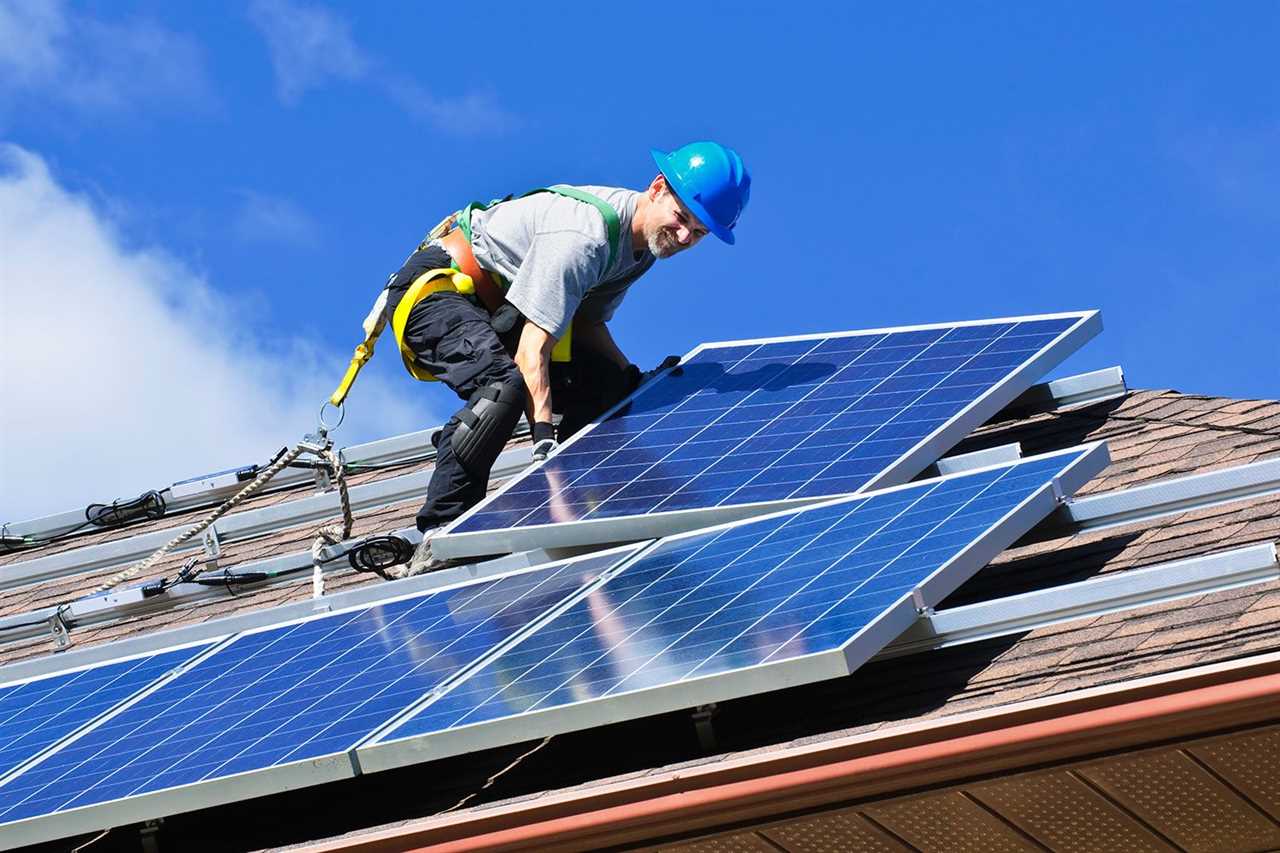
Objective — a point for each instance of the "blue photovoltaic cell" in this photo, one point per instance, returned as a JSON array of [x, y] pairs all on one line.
[[36, 714], [290, 693], [755, 593], [764, 422]]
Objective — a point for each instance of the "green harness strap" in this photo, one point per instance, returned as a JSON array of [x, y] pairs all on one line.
[[612, 224]]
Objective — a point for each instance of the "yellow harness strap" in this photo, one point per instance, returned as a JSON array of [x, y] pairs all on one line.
[[431, 281]]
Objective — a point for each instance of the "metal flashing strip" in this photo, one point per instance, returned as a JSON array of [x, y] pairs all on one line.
[[569, 514], [1125, 590], [782, 662], [131, 603], [1173, 495], [237, 526], [1082, 389]]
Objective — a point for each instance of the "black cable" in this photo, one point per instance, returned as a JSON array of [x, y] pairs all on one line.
[[149, 505], [378, 553]]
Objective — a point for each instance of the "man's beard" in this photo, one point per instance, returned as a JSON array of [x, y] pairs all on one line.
[[663, 243]]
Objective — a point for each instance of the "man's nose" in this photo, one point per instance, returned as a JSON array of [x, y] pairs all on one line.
[[684, 236]]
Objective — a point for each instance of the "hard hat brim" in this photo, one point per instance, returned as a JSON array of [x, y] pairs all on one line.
[[678, 187]]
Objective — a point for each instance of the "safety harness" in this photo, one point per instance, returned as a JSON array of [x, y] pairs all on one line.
[[467, 277]]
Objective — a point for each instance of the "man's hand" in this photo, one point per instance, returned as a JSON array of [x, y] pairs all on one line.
[[667, 363], [544, 440]]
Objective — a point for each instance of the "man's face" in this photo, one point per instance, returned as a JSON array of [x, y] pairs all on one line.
[[672, 227]]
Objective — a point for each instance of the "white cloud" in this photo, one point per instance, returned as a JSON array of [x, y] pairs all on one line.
[[123, 370], [269, 219], [309, 46], [473, 113], [56, 55]]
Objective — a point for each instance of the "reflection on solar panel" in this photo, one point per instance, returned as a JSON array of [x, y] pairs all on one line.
[[36, 714], [290, 693], [758, 605], [796, 420]]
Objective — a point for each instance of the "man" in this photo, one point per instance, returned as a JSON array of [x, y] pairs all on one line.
[[542, 265]]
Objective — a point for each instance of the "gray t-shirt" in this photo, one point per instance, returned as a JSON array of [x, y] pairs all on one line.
[[553, 250]]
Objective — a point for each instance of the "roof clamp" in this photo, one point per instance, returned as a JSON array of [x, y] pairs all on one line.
[[212, 549], [147, 835], [324, 482], [319, 443], [702, 716], [58, 627], [1059, 496], [917, 598]]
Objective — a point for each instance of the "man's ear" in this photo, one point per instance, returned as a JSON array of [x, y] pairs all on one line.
[[656, 186]]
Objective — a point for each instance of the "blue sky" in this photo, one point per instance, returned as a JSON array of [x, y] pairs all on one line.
[[199, 201]]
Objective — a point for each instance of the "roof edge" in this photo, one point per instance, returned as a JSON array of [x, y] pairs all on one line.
[[1191, 702]]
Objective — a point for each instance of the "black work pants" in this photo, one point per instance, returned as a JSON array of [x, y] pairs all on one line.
[[452, 338]]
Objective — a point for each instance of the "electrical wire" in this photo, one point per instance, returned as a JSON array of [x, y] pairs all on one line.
[[495, 777], [148, 505], [378, 553]]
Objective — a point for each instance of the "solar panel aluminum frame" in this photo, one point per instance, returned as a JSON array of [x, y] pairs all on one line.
[[386, 752], [269, 780], [655, 525]]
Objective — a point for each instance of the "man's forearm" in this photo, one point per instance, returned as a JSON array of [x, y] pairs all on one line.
[[533, 358]]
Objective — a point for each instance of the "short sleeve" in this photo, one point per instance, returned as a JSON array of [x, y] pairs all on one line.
[[553, 280]]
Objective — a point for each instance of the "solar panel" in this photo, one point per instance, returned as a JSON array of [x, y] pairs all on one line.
[[750, 427], [291, 698], [750, 607], [36, 714]]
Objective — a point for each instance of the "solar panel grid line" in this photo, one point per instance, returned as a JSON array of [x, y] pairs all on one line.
[[625, 554], [1011, 501], [811, 445], [769, 538], [693, 437], [334, 623], [126, 682], [474, 602], [882, 571], [156, 670], [922, 393], [797, 551]]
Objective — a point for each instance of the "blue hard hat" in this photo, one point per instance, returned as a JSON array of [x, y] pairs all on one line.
[[712, 182]]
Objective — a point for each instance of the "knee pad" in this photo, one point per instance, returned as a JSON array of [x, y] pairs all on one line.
[[486, 423]]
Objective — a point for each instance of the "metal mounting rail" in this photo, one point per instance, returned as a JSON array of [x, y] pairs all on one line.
[[1094, 597], [1124, 506], [384, 451], [286, 569], [1172, 495], [1070, 391], [238, 526]]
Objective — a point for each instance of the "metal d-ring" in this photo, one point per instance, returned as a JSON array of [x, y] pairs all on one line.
[[341, 408]]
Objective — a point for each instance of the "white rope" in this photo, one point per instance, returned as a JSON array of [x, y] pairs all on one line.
[[233, 502], [330, 534]]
